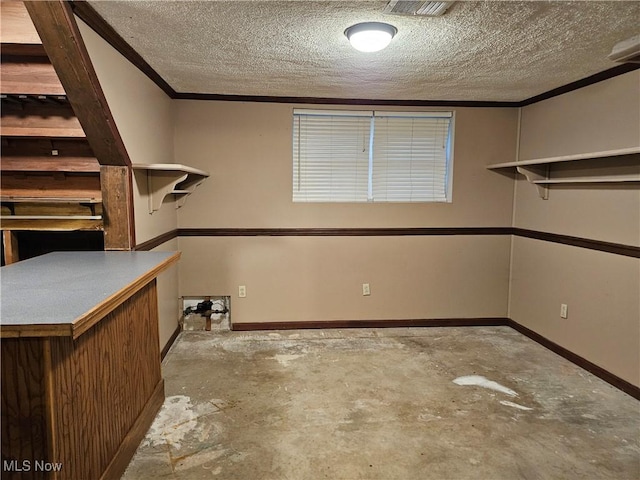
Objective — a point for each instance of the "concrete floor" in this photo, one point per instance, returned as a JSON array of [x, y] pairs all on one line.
[[383, 404]]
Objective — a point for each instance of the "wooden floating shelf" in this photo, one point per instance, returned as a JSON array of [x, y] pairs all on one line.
[[536, 171], [567, 158], [568, 181], [170, 179]]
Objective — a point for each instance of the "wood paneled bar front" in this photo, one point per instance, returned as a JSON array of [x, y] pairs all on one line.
[[81, 380]]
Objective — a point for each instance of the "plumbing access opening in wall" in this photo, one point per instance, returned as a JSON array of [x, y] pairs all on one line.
[[206, 312]]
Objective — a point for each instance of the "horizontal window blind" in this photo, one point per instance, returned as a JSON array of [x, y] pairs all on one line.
[[360, 156], [331, 156], [410, 159]]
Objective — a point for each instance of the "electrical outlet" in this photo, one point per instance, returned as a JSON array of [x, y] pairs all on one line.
[[242, 291], [365, 289], [564, 310]]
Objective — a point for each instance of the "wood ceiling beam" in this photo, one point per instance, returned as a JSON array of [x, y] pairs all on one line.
[[58, 30]]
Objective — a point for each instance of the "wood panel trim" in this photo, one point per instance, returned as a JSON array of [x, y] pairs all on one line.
[[340, 232], [345, 101], [95, 21], [53, 330], [584, 82], [57, 27], [23, 405], [50, 404], [93, 316], [598, 245], [130, 443], [170, 342], [582, 362], [157, 241], [395, 323]]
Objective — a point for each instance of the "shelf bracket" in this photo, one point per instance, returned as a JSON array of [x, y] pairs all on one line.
[[170, 179], [532, 174], [161, 184]]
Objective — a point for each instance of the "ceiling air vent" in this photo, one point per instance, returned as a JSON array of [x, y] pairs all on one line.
[[409, 7], [627, 51]]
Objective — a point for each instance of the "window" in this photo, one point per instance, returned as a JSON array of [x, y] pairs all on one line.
[[366, 156]]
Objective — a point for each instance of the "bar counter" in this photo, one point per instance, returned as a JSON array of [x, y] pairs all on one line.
[[81, 380]]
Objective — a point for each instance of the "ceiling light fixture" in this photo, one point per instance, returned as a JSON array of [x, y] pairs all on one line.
[[370, 36]]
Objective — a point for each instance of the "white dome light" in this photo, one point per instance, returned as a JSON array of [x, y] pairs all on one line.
[[370, 36]]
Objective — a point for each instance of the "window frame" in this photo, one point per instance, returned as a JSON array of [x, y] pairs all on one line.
[[371, 115]]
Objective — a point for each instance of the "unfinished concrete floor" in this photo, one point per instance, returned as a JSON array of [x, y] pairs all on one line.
[[384, 404]]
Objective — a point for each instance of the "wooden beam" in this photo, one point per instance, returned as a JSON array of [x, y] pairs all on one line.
[[10, 246], [58, 30], [117, 205]]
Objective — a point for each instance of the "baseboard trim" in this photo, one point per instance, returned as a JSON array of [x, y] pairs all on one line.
[[430, 322], [170, 342], [130, 443], [590, 367], [582, 362]]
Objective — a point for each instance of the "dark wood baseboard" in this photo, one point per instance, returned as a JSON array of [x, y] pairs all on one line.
[[129, 445], [590, 367], [170, 342], [429, 322]]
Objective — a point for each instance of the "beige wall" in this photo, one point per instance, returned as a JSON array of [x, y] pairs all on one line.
[[602, 290], [144, 117], [320, 278], [602, 116], [247, 148]]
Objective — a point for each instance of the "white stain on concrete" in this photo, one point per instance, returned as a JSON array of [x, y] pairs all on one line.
[[428, 417], [514, 405], [177, 419], [286, 359], [480, 381]]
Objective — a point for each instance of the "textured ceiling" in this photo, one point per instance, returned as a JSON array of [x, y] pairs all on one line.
[[485, 51]]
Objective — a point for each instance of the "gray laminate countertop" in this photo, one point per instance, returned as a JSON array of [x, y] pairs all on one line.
[[62, 287]]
